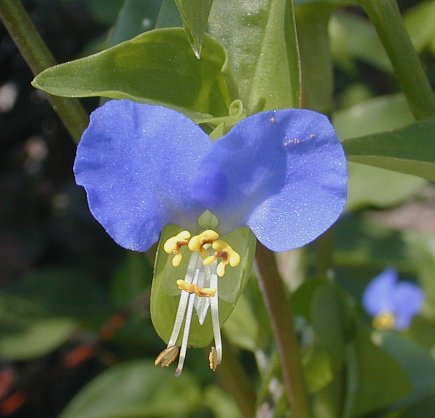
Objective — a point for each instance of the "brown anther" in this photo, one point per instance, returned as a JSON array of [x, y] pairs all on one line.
[[213, 359], [167, 356]]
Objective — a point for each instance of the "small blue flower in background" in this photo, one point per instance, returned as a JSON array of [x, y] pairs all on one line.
[[281, 173], [391, 303]]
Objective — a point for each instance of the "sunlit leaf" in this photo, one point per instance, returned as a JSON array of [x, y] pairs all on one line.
[[260, 38], [409, 150], [155, 67], [195, 16], [371, 185]]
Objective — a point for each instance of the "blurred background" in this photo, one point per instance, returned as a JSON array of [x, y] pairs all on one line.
[[73, 304]]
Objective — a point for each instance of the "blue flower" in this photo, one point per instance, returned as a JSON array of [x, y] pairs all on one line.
[[392, 304], [281, 173]]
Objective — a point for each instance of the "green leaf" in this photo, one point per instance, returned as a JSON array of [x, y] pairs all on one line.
[[374, 378], [260, 39], [417, 362], [27, 330], [324, 308], [135, 17], [220, 403], [195, 16], [335, 3], [419, 23], [410, 150], [353, 37], [135, 390], [169, 16], [155, 67], [104, 11], [131, 279], [248, 327], [316, 62], [372, 116], [371, 185], [65, 293], [27, 339], [165, 294]]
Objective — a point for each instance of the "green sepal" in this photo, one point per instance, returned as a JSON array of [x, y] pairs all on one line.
[[165, 294], [157, 67]]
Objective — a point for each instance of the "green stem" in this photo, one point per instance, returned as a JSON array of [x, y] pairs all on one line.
[[316, 63], [235, 381], [386, 18], [325, 253], [38, 57], [282, 324]]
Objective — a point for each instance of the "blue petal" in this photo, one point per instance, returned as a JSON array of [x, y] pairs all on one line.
[[379, 294], [137, 163], [282, 173], [407, 299]]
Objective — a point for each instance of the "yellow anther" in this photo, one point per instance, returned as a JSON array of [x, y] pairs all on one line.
[[193, 288], [384, 321], [213, 359], [208, 260], [198, 242], [221, 269], [226, 253], [174, 244], [167, 356]]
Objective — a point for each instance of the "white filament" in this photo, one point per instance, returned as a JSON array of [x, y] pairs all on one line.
[[202, 304], [187, 323], [215, 311], [202, 276], [192, 270]]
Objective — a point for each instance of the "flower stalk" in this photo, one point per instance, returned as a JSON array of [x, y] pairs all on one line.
[[385, 16], [284, 331]]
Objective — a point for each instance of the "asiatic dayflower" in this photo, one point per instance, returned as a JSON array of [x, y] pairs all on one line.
[[280, 173], [392, 304]]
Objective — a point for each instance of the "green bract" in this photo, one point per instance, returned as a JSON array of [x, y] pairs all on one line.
[[165, 294]]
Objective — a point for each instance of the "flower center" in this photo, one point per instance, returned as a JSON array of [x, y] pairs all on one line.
[[384, 321], [209, 257], [201, 244]]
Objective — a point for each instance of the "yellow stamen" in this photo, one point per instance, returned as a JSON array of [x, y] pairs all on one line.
[[199, 242], [226, 253], [384, 321], [174, 244], [167, 356], [193, 288], [213, 359]]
